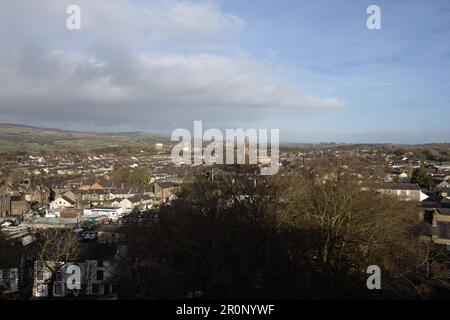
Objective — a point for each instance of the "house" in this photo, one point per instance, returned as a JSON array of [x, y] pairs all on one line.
[[10, 262], [398, 178], [389, 178], [72, 195], [112, 202], [59, 188], [20, 198], [70, 213], [36, 194], [445, 203], [101, 186], [143, 202], [75, 183], [126, 205], [95, 279], [443, 185], [440, 222], [164, 189], [147, 190], [62, 202], [110, 212], [5, 205], [82, 204], [98, 277], [403, 177], [96, 195], [9, 280], [6, 187], [85, 185], [110, 233], [19, 207], [445, 193], [404, 191], [66, 171], [431, 170], [443, 167], [124, 193]]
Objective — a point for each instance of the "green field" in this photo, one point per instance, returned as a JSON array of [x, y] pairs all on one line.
[[16, 138]]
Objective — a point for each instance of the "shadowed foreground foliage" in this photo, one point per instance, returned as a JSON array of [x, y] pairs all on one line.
[[309, 235]]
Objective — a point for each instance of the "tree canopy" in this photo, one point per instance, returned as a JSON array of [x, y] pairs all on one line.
[[421, 177]]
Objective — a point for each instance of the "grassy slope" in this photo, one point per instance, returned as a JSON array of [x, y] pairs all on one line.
[[22, 138]]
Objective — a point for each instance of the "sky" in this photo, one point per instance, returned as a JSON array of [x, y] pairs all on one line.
[[311, 69]]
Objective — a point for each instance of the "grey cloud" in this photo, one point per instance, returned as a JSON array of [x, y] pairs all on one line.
[[113, 71]]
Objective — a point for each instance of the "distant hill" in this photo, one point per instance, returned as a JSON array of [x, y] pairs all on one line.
[[14, 137]]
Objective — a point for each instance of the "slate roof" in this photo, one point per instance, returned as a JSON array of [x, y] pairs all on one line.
[[400, 186], [167, 184], [68, 200], [443, 230]]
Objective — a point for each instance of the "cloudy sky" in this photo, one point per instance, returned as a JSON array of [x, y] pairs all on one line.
[[310, 68]]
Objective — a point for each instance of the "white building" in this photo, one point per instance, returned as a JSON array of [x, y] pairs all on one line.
[[126, 205], [95, 279], [62, 202], [9, 279], [112, 213], [403, 191]]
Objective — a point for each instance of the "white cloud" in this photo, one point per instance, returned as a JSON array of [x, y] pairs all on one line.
[[182, 19]]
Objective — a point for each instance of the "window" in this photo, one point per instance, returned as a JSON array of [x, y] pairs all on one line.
[[40, 275], [106, 290], [95, 288], [58, 288], [4, 276], [100, 275], [448, 265]]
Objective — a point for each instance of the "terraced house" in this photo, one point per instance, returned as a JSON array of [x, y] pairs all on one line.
[[4, 204], [404, 191]]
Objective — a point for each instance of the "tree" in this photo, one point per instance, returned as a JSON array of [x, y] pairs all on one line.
[[140, 176], [421, 177], [127, 176], [216, 238], [56, 248], [306, 233], [348, 227], [10, 251]]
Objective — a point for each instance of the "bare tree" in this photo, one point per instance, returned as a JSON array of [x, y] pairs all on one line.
[[56, 248], [310, 232], [352, 226]]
